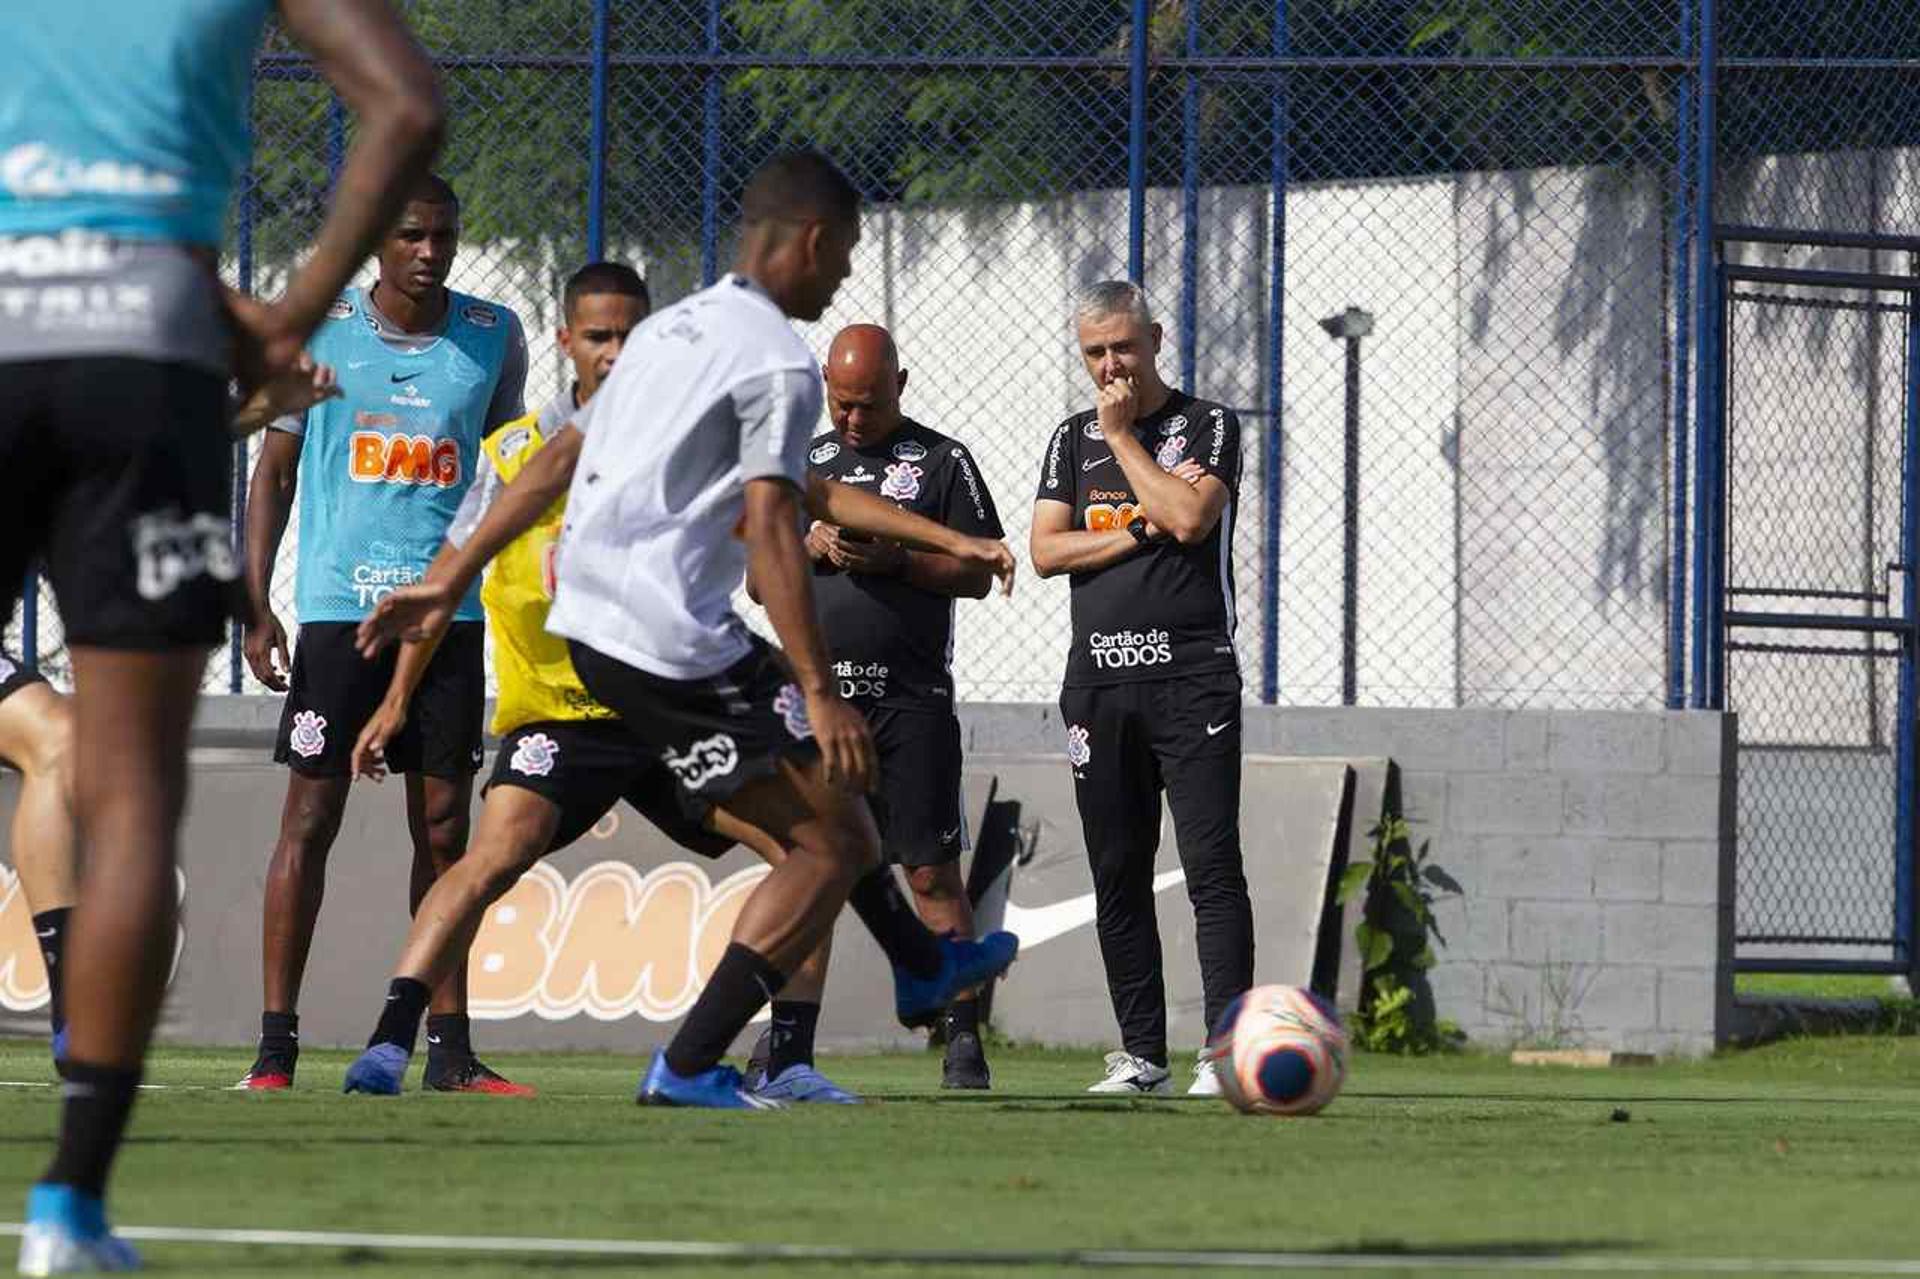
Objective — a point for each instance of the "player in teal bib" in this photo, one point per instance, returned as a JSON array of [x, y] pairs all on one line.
[[424, 372], [123, 126], [383, 468]]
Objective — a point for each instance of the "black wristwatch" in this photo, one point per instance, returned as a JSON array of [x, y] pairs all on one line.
[[1138, 527]]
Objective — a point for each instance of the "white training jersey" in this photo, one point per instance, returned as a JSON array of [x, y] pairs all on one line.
[[709, 393]]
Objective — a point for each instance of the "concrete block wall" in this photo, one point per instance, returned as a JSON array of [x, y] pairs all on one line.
[[1594, 848]]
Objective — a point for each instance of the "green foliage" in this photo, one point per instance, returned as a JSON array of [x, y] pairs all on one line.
[[1395, 938]]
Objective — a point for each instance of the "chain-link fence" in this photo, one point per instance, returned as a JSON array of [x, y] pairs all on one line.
[[1502, 198]]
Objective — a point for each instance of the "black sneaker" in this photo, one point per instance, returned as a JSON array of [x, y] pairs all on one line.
[[270, 1072], [966, 1064], [471, 1075]]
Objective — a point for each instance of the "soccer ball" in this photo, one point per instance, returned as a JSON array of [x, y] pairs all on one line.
[[1279, 1050]]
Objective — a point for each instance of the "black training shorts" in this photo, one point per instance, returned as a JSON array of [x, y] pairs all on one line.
[[918, 804], [585, 767], [117, 472], [715, 734], [334, 691]]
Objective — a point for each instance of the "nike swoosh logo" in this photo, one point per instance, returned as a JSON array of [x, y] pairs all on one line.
[[1038, 924], [1214, 730], [433, 1039], [48, 935], [402, 377], [1098, 461]]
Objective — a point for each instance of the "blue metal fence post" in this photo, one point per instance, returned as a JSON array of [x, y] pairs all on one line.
[[1137, 144], [1904, 761], [1276, 365], [1706, 300], [1190, 208], [597, 137], [243, 251], [710, 154], [1683, 247]]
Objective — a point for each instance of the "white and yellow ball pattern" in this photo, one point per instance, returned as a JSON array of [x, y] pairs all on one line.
[[1280, 1050]]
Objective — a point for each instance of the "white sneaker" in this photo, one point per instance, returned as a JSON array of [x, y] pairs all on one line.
[[1127, 1073], [1206, 1078]]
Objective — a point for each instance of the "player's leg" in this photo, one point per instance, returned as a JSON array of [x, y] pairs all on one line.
[[330, 692], [1116, 790], [439, 751], [1196, 732], [738, 741], [923, 828], [781, 1067], [142, 568], [36, 737]]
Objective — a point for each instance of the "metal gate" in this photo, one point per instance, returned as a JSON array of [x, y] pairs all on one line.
[[1815, 464]]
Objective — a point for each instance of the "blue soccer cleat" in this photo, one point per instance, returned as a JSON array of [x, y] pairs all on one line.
[[718, 1089], [802, 1083], [919, 1001], [67, 1234], [381, 1071]]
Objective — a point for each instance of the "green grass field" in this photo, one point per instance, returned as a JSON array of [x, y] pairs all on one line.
[[1801, 1150]]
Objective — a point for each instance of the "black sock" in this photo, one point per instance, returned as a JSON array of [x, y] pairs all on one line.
[[93, 1115], [740, 987], [280, 1036], [963, 1017], [449, 1036], [50, 928], [400, 1019], [884, 910], [793, 1026]]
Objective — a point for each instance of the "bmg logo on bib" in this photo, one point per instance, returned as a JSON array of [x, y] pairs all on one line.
[[376, 458]]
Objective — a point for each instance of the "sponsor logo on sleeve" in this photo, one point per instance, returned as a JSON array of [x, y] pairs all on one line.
[[824, 453], [339, 308], [790, 704], [1053, 457], [972, 481], [1170, 452], [1125, 650], [902, 483], [534, 755], [909, 451], [309, 735], [702, 762], [169, 549], [480, 317], [1217, 446]]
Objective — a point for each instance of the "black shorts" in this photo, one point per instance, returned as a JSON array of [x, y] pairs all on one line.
[[15, 676], [585, 767], [715, 734], [918, 805], [334, 691], [118, 472]]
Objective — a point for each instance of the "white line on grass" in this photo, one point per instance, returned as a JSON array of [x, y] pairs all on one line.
[[1103, 1258]]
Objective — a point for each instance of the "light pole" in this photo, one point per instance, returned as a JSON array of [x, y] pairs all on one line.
[[1351, 325]]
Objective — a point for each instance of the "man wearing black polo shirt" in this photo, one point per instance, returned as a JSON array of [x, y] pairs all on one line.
[[1136, 504], [887, 614]]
